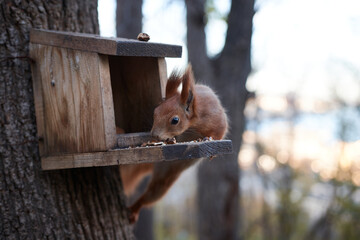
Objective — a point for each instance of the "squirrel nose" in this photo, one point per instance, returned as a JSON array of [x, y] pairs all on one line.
[[154, 134]]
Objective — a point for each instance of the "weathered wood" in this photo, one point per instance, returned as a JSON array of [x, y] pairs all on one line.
[[180, 151], [104, 45], [163, 75], [133, 139], [77, 107], [38, 100], [136, 86], [107, 106]]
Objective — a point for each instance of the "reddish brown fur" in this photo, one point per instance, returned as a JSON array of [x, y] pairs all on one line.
[[172, 84], [188, 85], [200, 114], [132, 174]]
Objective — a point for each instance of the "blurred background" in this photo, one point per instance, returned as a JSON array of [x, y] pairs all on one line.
[[299, 161]]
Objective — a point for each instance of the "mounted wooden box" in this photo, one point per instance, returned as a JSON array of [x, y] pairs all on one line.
[[85, 86]]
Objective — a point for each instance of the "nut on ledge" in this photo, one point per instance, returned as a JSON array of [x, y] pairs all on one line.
[[144, 37]]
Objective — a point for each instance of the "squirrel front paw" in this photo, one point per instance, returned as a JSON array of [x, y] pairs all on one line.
[[133, 214], [133, 217]]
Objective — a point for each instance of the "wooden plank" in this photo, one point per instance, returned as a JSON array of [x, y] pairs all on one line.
[[136, 89], [133, 139], [38, 96], [104, 45], [180, 151], [107, 102], [73, 97], [163, 76]]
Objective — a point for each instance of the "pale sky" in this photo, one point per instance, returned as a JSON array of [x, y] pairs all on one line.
[[303, 45]]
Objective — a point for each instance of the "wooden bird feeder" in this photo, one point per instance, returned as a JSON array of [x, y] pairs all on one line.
[[86, 85]]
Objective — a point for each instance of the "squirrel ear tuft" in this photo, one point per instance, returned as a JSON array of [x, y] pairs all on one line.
[[173, 84], [187, 93], [189, 100]]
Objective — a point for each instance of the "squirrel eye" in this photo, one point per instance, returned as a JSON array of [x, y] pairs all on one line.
[[175, 120]]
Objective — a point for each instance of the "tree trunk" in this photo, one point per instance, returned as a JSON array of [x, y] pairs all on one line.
[[35, 204], [218, 180]]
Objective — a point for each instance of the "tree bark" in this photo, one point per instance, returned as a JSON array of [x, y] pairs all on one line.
[[36, 204], [218, 180]]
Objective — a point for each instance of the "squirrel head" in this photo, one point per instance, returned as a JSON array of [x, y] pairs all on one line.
[[173, 116]]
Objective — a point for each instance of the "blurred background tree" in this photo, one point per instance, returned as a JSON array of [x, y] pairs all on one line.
[[227, 72]]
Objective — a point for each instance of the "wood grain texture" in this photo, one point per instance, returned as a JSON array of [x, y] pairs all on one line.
[[163, 76], [77, 103], [133, 139], [38, 99], [104, 45], [180, 151], [136, 85], [107, 106]]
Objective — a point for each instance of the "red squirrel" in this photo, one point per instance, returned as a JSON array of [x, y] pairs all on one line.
[[194, 111]]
